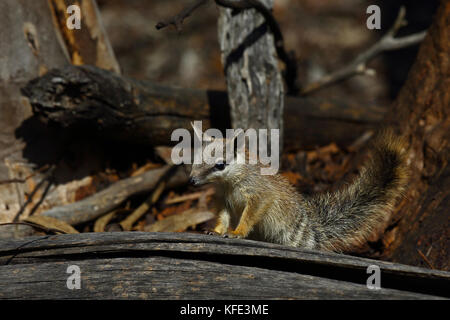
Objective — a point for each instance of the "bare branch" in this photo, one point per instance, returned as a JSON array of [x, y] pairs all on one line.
[[359, 65], [177, 21]]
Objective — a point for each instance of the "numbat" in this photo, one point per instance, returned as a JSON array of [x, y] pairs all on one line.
[[268, 208]]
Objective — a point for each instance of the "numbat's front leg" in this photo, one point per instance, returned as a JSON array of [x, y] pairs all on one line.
[[246, 223], [223, 222]]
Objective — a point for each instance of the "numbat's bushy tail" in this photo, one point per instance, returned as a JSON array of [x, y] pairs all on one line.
[[268, 208], [347, 217]]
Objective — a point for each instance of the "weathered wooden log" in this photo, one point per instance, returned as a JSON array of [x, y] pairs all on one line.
[[147, 113], [139, 265]]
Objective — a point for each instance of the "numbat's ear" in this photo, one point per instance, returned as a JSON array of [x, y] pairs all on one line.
[[202, 136], [237, 133], [197, 129], [236, 143]]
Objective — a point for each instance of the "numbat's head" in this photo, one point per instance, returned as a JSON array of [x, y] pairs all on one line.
[[218, 159]]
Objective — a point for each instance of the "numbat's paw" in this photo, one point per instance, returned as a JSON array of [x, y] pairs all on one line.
[[211, 233], [231, 235]]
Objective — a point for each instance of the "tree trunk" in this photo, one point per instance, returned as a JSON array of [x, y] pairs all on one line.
[[254, 81], [420, 232], [89, 44], [34, 39], [29, 47]]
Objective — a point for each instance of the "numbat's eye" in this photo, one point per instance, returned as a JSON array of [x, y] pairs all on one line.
[[219, 166]]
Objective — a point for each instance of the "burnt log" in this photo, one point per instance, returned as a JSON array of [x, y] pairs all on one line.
[[144, 112]]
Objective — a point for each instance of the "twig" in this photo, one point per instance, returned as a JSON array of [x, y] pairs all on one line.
[[425, 258], [34, 225], [177, 21], [191, 196], [290, 73], [13, 181], [44, 194], [359, 65], [23, 245], [18, 180], [30, 197], [128, 222], [102, 222]]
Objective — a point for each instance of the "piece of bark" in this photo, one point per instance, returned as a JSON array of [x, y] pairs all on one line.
[[254, 81], [143, 112], [130, 265]]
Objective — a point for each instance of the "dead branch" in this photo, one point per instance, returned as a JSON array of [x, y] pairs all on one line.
[[177, 20], [110, 198], [359, 65]]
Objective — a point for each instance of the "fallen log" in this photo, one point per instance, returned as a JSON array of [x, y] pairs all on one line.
[[146, 113], [140, 265]]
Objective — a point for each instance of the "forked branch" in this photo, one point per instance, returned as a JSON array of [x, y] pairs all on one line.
[[359, 65]]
